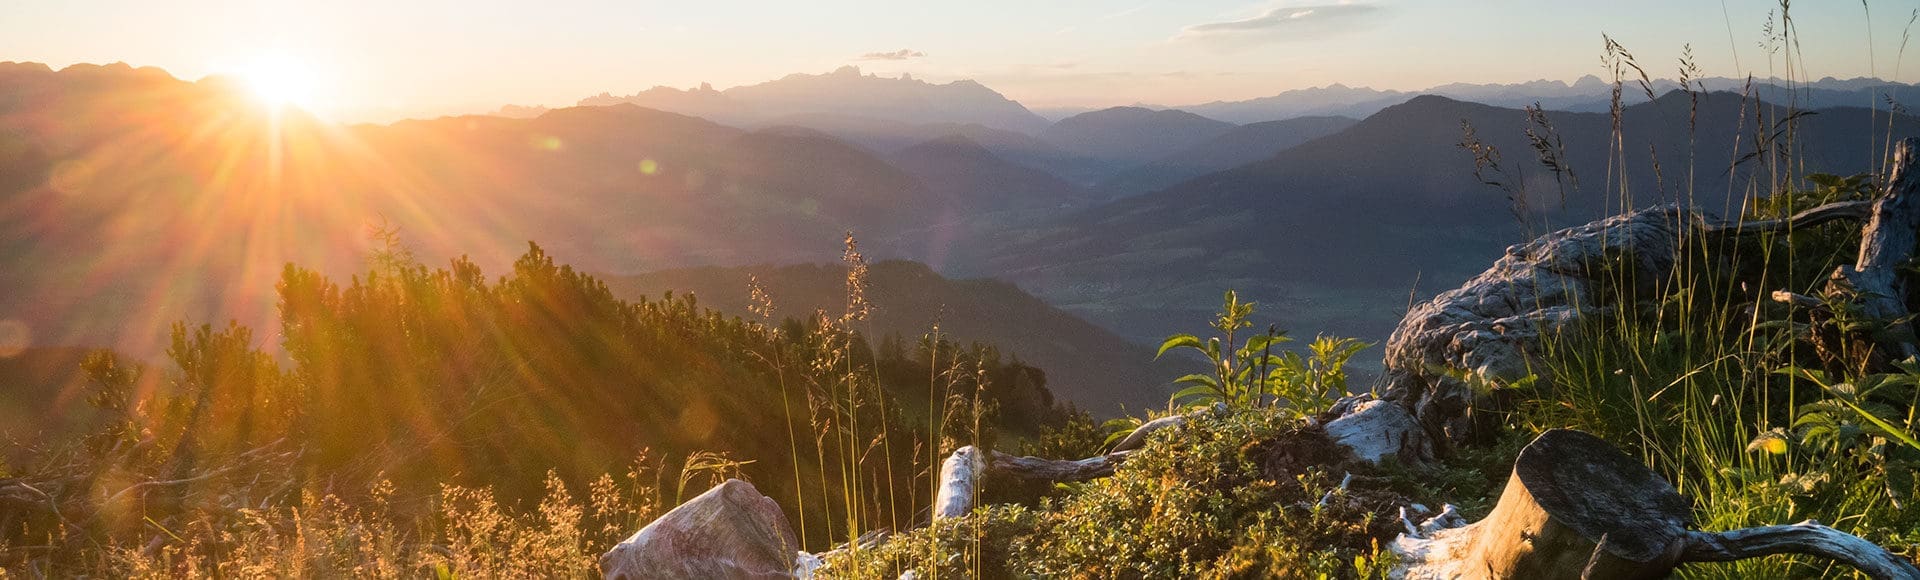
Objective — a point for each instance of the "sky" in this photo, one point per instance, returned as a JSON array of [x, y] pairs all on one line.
[[378, 59]]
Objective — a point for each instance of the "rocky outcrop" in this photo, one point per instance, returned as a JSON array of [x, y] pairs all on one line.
[[1487, 330]]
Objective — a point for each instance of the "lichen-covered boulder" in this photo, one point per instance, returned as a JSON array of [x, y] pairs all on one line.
[[731, 531], [1488, 328]]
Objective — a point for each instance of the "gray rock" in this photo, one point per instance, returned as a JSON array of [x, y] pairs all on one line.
[[731, 531], [1374, 430], [1488, 329]]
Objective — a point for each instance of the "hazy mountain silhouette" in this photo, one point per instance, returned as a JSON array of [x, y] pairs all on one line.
[[1242, 145], [624, 188], [1083, 362], [992, 197], [1335, 100], [978, 180], [842, 92], [1586, 94], [1130, 135], [1332, 234]]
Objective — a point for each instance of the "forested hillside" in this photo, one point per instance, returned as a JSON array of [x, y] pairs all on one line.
[[1082, 362], [406, 379]]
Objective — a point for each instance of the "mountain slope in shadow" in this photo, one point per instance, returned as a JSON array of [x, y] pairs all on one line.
[[1094, 368]]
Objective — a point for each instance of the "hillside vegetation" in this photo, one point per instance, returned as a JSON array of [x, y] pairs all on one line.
[[422, 408], [1082, 362]]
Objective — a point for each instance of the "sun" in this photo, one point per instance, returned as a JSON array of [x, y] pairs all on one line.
[[280, 81]]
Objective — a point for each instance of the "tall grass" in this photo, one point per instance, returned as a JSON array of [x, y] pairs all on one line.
[[1682, 370], [468, 533]]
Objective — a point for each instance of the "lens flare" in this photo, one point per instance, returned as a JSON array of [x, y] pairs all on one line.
[[280, 81]]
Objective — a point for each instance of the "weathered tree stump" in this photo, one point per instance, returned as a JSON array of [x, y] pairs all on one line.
[[731, 531], [1576, 507]]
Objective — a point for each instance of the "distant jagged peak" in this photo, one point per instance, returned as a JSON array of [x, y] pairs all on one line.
[[704, 92], [844, 73], [846, 90]]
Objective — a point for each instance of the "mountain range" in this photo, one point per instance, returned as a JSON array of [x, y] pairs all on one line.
[[1586, 94], [135, 200], [1239, 146], [119, 168], [1339, 233], [844, 91], [130, 199]]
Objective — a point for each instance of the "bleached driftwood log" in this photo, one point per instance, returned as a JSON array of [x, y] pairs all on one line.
[[961, 473], [731, 531], [1576, 507]]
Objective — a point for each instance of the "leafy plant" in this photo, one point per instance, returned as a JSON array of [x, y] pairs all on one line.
[[1860, 420], [1310, 384], [1253, 375], [1857, 409], [1233, 380]]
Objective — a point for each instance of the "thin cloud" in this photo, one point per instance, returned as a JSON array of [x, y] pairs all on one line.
[[1281, 23], [902, 54], [1127, 12]]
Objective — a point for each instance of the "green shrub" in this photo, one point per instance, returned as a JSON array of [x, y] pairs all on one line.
[[1233, 496]]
